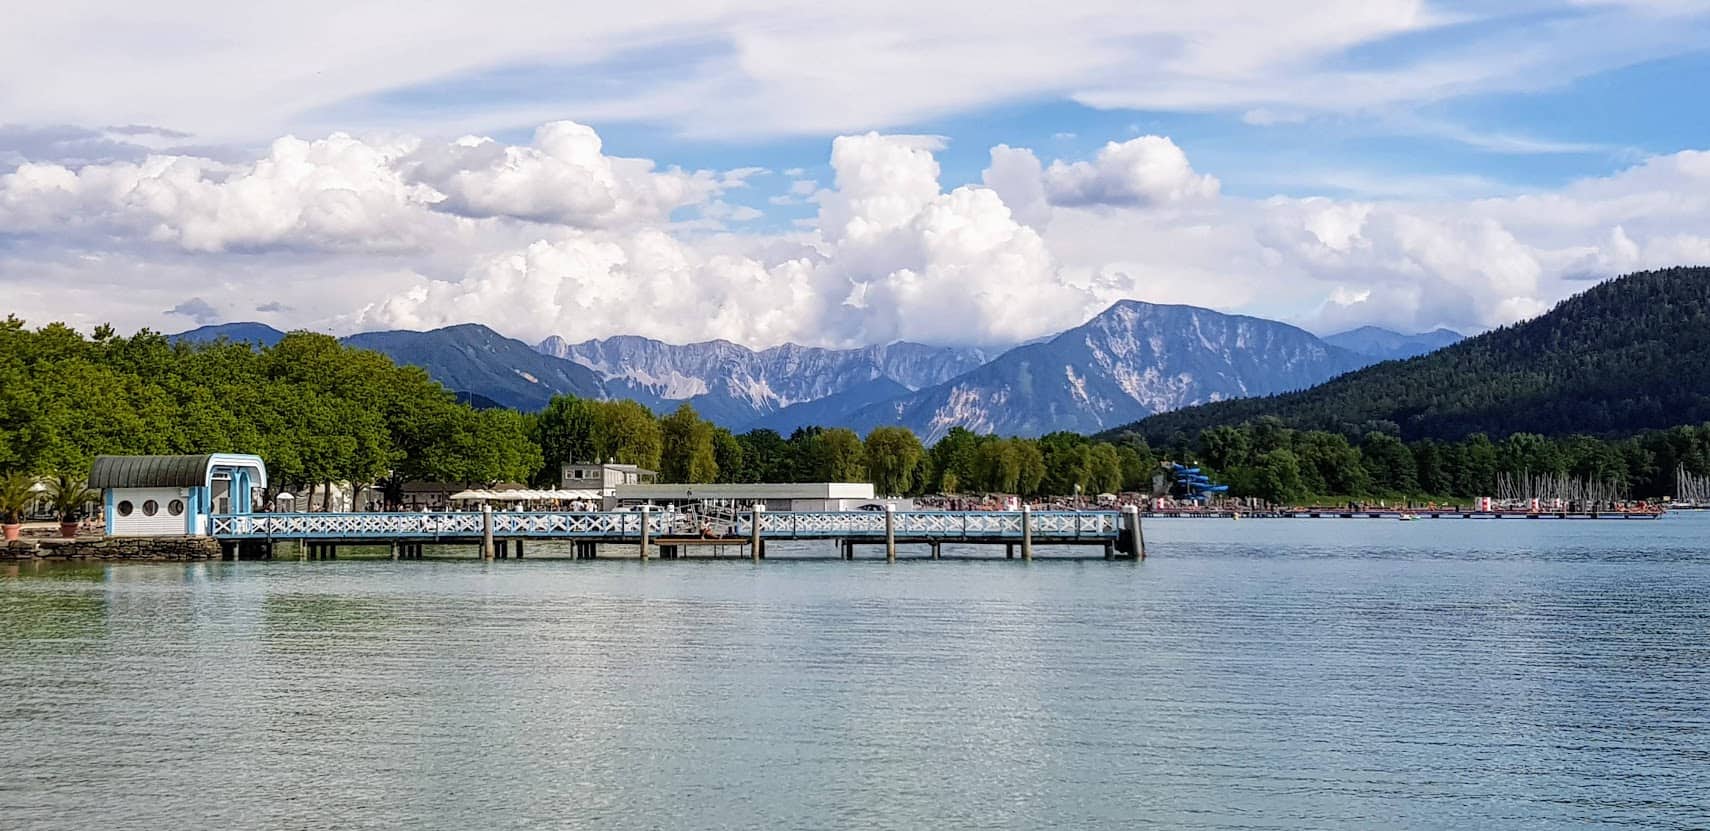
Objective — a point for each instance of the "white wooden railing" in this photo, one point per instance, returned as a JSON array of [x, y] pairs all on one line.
[[626, 525]]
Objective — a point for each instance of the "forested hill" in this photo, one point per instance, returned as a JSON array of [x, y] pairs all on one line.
[[1629, 354]]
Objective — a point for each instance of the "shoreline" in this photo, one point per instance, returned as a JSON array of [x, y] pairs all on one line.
[[113, 549]]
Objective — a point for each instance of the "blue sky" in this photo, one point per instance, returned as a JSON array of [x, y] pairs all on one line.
[[1404, 163], [1465, 146]]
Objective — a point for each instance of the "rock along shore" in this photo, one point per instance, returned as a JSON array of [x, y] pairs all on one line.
[[134, 549]]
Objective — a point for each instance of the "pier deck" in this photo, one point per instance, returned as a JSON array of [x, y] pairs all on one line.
[[1396, 513], [1118, 533]]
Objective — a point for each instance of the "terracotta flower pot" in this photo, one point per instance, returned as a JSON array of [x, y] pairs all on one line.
[[12, 530], [68, 530]]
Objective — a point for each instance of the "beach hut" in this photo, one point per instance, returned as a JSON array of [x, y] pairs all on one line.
[[157, 496]]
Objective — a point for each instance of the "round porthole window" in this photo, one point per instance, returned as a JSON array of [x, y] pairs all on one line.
[[150, 508], [175, 507], [125, 508]]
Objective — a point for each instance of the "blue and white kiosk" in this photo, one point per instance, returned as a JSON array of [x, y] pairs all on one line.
[[160, 496]]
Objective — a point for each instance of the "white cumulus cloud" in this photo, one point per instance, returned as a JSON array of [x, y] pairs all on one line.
[[563, 176], [556, 237], [347, 193], [334, 193], [1143, 172], [895, 257], [1149, 170]]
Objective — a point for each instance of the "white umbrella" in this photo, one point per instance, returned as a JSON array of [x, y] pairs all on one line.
[[571, 494]]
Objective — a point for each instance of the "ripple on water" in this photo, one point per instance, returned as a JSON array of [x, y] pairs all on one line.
[[1338, 674]]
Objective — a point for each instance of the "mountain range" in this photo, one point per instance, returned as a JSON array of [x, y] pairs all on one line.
[[1130, 361], [473, 358], [1625, 355], [1384, 345], [736, 386]]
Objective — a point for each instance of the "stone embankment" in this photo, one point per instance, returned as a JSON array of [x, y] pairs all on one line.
[[134, 549]]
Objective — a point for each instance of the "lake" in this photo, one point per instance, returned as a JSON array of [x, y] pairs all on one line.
[[1274, 674]]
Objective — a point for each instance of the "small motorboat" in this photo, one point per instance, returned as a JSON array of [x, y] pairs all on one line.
[[1406, 517]]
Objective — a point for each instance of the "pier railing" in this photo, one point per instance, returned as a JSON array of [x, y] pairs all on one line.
[[937, 524], [1087, 526]]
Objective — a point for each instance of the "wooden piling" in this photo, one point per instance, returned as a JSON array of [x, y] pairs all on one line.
[[486, 531], [646, 528], [394, 548], [1026, 533], [1133, 532], [890, 533], [756, 515]]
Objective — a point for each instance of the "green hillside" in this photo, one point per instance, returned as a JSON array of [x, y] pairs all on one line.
[[1626, 355]]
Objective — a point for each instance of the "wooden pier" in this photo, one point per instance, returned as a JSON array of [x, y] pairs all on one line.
[[671, 535]]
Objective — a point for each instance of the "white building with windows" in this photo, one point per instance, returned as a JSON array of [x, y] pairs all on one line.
[[796, 496], [603, 477], [158, 496]]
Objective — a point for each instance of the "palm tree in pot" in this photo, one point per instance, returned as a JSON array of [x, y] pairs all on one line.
[[17, 491], [69, 494]]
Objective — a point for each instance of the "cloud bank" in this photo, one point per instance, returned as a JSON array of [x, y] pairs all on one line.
[[556, 237], [760, 67]]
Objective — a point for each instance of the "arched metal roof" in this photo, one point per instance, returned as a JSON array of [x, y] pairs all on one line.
[[167, 471]]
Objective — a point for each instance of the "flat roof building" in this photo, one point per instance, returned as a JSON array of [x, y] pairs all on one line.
[[797, 496], [601, 476]]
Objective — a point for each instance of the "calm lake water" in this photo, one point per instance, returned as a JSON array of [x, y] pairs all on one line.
[[1256, 674]]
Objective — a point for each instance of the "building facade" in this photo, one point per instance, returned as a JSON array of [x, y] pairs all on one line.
[[155, 496], [798, 496], [603, 477]]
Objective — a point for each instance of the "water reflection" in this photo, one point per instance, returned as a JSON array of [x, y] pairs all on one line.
[[1331, 675]]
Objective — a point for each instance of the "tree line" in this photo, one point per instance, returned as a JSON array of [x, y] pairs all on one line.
[[320, 412], [316, 411], [1267, 459], [1263, 458], [683, 447]]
